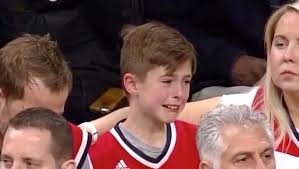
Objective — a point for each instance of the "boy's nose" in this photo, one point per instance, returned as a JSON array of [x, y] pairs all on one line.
[[178, 91]]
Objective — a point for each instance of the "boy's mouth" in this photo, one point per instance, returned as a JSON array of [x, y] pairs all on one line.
[[172, 107]]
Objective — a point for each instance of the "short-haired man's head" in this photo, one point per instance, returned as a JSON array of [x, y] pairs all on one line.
[[154, 44], [212, 125], [45, 119], [29, 57]]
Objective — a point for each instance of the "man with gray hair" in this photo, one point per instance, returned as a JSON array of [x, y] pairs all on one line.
[[235, 137]]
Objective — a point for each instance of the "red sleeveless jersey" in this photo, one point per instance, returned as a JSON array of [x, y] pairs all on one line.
[[118, 153]]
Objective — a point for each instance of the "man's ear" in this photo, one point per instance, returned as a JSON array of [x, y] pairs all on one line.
[[2, 96], [1, 93], [69, 164], [205, 165], [3, 100], [130, 83]]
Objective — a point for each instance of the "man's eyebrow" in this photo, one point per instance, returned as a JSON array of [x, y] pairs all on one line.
[[242, 153], [5, 156], [268, 149], [249, 153]]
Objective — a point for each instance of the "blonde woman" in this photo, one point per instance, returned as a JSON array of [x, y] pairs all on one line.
[[278, 95]]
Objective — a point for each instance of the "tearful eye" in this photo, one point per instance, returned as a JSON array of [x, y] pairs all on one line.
[[29, 164], [188, 81], [166, 81]]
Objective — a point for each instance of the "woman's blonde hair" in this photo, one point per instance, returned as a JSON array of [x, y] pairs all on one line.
[[273, 105]]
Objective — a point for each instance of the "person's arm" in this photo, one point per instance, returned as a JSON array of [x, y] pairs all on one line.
[[191, 113], [107, 122], [101, 125], [193, 110]]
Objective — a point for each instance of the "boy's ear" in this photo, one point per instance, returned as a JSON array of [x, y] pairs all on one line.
[[130, 83]]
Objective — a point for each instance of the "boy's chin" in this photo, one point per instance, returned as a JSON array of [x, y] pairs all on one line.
[[170, 119]]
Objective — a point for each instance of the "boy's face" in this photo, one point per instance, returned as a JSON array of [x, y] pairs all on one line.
[[163, 96]]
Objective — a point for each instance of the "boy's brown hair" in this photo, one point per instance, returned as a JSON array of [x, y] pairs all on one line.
[[29, 57], [154, 44]]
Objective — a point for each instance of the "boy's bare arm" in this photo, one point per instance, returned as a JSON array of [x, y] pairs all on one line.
[[191, 113], [110, 120], [101, 125], [193, 110]]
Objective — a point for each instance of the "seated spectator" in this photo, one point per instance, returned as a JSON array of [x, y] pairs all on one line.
[[237, 137], [37, 138], [157, 64], [277, 95], [33, 74]]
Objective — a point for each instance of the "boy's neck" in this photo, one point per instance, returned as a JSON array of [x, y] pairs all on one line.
[[145, 128]]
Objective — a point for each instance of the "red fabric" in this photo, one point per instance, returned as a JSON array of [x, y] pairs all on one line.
[[184, 154], [287, 146], [77, 139]]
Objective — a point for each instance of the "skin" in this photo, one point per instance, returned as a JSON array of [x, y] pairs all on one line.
[[284, 53], [38, 155], [35, 95], [191, 113], [156, 100], [284, 61], [244, 148]]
